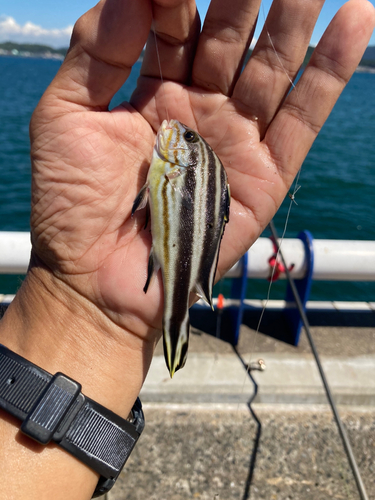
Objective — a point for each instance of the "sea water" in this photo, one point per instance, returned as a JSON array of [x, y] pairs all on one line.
[[336, 199]]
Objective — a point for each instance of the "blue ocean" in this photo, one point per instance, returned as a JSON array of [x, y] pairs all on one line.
[[336, 199]]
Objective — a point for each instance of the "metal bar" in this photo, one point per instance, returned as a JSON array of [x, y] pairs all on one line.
[[334, 260], [340, 426]]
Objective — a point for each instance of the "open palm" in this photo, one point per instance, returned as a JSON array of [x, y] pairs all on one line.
[[89, 163]]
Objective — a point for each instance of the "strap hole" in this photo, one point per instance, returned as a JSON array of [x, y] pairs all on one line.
[[11, 380]]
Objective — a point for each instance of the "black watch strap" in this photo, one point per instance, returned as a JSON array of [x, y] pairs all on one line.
[[52, 408]]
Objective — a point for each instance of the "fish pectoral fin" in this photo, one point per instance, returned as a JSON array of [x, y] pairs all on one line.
[[152, 269], [204, 293], [173, 179], [174, 173], [141, 199]]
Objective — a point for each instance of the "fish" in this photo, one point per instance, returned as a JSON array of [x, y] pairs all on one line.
[[188, 197]]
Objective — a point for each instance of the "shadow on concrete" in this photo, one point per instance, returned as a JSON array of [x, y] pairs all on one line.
[[253, 456]]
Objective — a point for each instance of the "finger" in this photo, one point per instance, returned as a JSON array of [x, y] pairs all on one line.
[[276, 58], [333, 62], [105, 44], [172, 41], [223, 44]]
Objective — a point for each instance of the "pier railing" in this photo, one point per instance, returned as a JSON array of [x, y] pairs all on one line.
[[334, 260]]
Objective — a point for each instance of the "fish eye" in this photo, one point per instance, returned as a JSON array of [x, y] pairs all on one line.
[[190, 136]]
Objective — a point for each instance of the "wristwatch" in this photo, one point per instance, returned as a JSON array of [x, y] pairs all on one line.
[[52, 408]]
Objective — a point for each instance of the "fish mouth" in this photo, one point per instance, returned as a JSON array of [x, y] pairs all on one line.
[[160, 143], [163, 140]]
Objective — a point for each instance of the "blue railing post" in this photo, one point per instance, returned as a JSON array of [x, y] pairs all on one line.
[[238, 292], [303, 286]]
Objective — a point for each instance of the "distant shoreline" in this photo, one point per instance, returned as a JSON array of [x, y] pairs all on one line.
[[32, 51], [46, 55], [365, 69], [58, 57], [53, 57]]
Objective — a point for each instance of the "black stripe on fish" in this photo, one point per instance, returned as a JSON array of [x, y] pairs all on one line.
[[165, 220], [214, 221], [182, 279]]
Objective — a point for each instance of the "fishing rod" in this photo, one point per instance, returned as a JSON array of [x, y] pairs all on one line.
[[341, 428]]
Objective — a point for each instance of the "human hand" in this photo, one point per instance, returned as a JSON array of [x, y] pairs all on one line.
[[89, 163]]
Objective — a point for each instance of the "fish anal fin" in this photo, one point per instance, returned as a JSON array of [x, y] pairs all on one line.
[[141, 199], [152, 269], [205, 293]]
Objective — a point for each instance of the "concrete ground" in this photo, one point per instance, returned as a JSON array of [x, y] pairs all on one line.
[[201, 440], [207, 453]]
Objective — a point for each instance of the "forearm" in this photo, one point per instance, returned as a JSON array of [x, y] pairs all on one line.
[[52, 326]]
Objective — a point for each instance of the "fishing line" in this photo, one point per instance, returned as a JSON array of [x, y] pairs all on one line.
[[273, 270], [275, 51], [292, 200], [159, 64], [153, 28], [296, 187]]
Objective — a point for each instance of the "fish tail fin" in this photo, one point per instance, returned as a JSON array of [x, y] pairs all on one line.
[[176, 343]]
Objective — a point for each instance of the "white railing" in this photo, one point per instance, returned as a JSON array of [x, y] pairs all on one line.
[[15, 248], [334, 260]]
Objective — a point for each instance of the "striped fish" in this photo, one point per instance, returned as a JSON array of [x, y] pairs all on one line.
[[188, 194]]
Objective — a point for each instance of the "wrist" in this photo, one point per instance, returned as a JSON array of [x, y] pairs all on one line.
[[54, 327]]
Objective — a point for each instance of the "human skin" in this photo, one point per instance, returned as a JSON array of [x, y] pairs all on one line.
[[81, 309]]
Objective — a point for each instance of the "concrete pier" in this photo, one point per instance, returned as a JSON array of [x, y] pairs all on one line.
[[202, 442]]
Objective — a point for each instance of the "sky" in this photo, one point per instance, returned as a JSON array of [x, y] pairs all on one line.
[[50, 22]]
